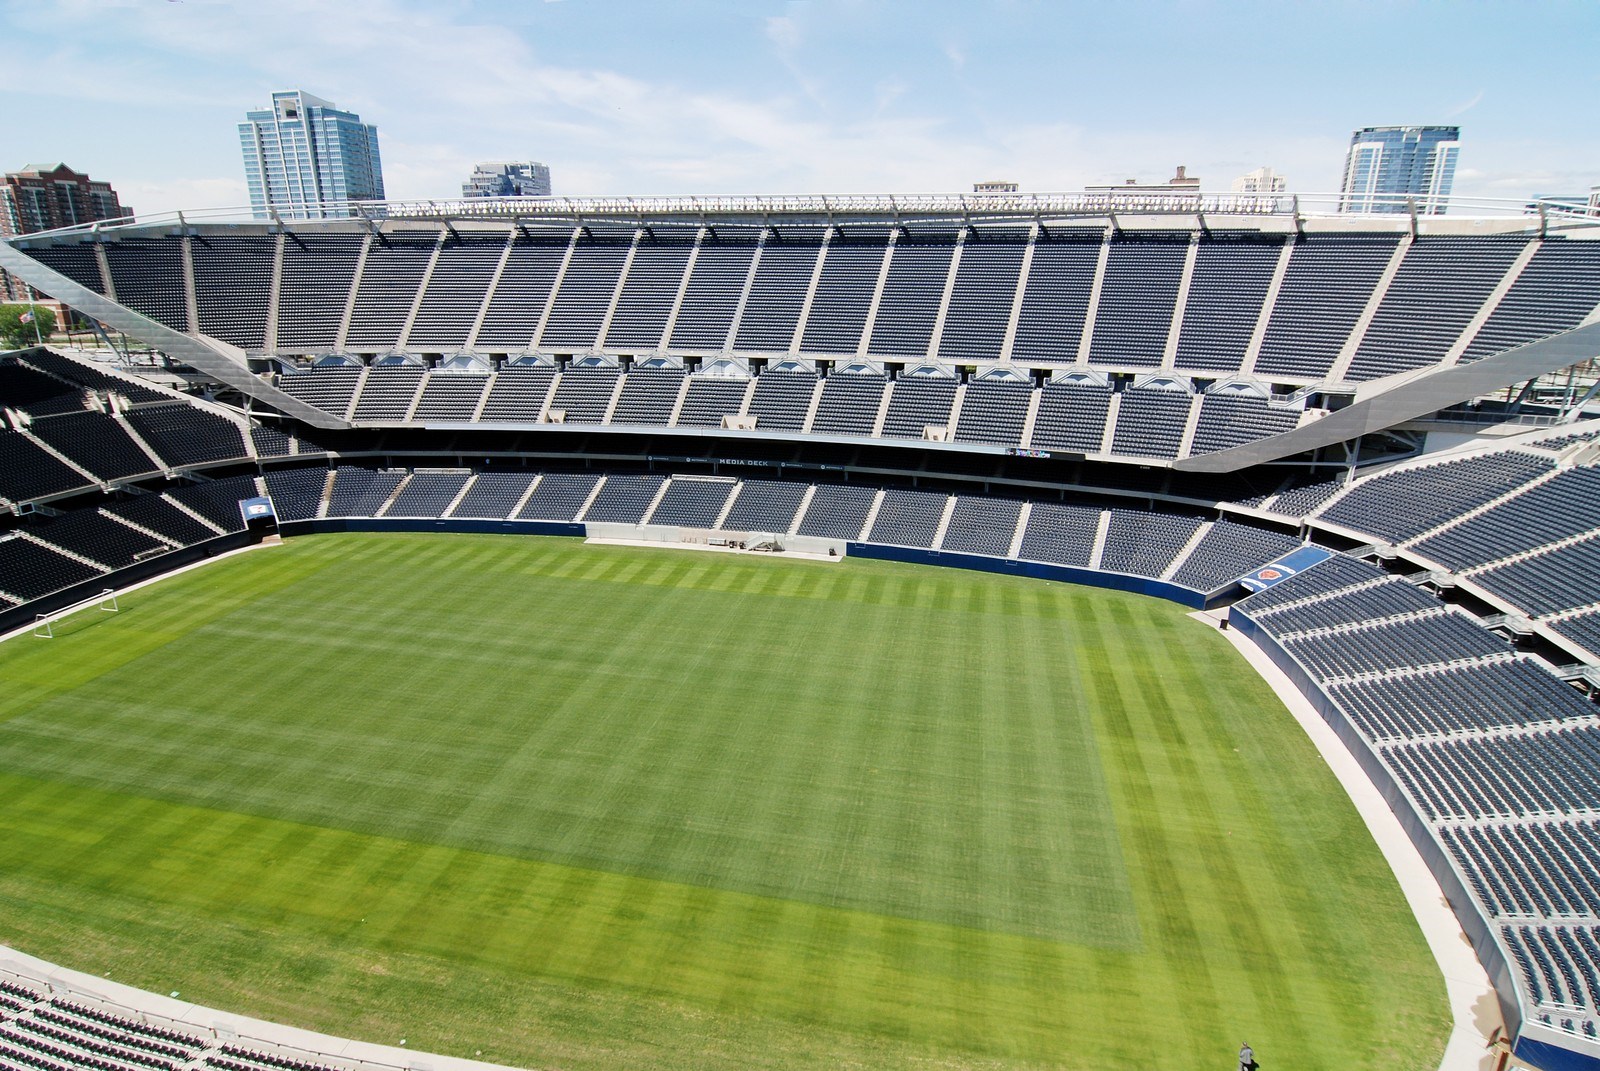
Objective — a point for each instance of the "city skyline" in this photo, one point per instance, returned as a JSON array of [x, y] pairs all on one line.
[[826, 96]]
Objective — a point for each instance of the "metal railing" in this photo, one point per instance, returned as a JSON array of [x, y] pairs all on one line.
[[1105, 204]]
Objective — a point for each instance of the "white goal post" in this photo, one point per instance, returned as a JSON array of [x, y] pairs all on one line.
[[105, 602]]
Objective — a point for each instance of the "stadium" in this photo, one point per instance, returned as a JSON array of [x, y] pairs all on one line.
[[1028, 433]]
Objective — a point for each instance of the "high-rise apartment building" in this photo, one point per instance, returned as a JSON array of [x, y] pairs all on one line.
[[302, 155], [42, 197], [1261, 180], [1387, 164], [508, 178]]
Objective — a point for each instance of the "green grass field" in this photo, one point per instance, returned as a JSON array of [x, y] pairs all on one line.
[[606, 808]]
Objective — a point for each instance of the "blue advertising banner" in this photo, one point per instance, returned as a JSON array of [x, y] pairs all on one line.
[[1296, 561], [255, 509]]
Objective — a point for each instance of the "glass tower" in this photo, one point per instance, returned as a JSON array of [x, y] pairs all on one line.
[[1387, 164], [303, 155]]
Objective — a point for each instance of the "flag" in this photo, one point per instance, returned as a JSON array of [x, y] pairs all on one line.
[[26, 318]]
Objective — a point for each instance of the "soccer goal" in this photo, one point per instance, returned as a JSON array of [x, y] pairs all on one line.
[[105, 602]]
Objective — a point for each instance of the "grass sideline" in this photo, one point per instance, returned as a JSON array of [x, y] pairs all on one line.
[[606, 807]]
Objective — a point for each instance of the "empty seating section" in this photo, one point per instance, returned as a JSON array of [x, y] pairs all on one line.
[[1144, 544], [778, 291], [623, 499], [849, 404], [721, 267], [233, 286], [76, 262], [1474, 697], [29, 570], [455, 291], [1533, 868], [908, 518], [1060, 534], [1564, 506], [518, 393], [1306, 496], [29, 471], [648, 395], [837, 511], [1331, 574], [523, 290], [296, 493], [388, 287], [427, 494], [1538, 772], [359, 492], [584, 296], [1151, 422], [328, 387], [982, 526], [187, 435], [147, 274], [1397, 644], [388, 392], [1137, 297], [493, 495], [1055, 299], [710, 398], [994, 411], [649, 291], [1582, 629], [1442, 283], [584, 393], [765, 506], [32, 391], [850, 269], [782, 399], [1232, 273], [60, 1034], [1558, 288], [1072, 416], [271, 441], [162, 517], [1329, 282], [101, 539], [984, 291], [97, 442], [1387, 598], [558, 497], [218, 500], [912, 293], [692, 503], [91, 377], [450, 396], [915, 403], [318, 270], [1397, 506], [1228, 420], [1548, 582], [1228, 551]]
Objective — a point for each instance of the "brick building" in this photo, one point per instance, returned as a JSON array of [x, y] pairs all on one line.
[[42, 197]]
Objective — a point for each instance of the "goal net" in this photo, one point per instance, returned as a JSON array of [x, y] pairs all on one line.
[[105, 602]]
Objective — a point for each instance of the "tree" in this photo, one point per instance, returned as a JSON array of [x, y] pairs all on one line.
[[17, 324]]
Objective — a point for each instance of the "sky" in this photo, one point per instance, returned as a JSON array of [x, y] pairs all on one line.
[[633, 97]]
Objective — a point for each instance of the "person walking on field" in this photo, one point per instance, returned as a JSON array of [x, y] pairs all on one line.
[[1247, 1058]]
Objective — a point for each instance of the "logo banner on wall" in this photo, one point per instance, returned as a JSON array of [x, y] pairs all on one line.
[[256, 509], [1296, 561]]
